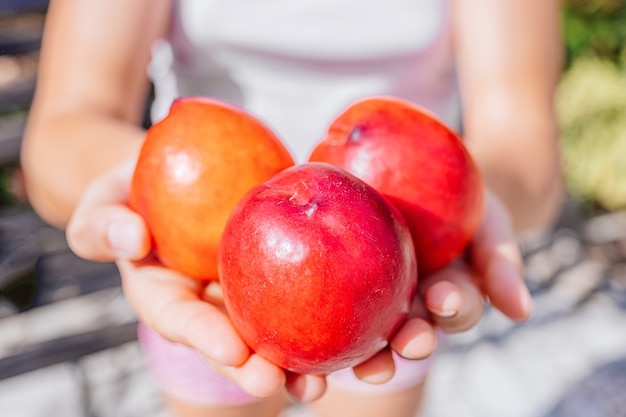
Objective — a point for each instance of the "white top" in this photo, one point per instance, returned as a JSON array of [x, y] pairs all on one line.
[[295, 64]]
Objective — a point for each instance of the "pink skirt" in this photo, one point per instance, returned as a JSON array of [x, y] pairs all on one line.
[[180, 372]]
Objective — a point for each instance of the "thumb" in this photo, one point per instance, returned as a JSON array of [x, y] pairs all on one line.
[[108, 233], [103, 227]]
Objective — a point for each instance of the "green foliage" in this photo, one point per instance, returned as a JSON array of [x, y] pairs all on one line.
[[595, 28], [591, 101]]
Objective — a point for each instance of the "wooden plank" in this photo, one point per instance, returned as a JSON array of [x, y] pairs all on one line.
[[15, 7], [37, 267], [10, 141], [17, 223], [18, 255], [20, 42], [17, 95], [64, 275], [64, 349]]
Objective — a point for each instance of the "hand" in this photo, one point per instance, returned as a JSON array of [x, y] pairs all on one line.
[[453, 298], [492, 271], [181, 309], [104, 228]]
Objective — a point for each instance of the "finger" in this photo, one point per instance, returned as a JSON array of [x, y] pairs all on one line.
[[453, 298], [213, 294], [107, 233], [305, 388], [170, 304], [378, 369], [497, 259], [416, 339], [102, 227], [257, 376]]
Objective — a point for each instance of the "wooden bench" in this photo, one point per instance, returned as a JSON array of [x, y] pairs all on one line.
[[37, 269]]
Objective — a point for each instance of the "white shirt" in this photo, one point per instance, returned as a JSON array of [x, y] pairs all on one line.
[[295, 64]]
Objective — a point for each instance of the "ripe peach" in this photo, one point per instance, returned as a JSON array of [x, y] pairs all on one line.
[[194, 165], [419, 163], [318, 270]]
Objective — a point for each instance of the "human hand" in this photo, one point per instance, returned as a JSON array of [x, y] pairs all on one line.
[[454, 297], [180, 309], [103, 228]]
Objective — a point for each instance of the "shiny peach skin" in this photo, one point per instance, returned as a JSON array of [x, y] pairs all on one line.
[[318, 270], [420, 164], [194, 166]]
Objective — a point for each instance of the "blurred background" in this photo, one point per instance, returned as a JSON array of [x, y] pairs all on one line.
[[592, 102], [67, 343]]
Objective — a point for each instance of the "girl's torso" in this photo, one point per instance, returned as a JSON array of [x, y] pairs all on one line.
[[296, 63]]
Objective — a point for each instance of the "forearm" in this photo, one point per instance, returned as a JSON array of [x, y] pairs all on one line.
[[528, 182], [62, 154], [91, 90], [509, 61]]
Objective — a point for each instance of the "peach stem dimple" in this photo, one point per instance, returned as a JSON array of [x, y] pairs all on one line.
[[311, 208], [355, 133], [310, 205]]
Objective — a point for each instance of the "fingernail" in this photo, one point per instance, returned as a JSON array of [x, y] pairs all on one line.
[[420, 347], [124, 238], [377, 378], [446, 314], [377, 370], [450, 306], [509, 272], [526, 303]]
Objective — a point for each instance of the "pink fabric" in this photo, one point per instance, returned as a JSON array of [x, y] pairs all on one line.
[[180, 371]]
